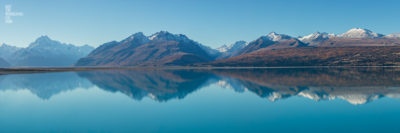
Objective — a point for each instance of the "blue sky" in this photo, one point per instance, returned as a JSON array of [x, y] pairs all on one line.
[[210, 22]]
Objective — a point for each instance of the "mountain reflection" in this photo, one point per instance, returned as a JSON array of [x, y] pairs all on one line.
[[158, 85], [355, 85], [44, 85]]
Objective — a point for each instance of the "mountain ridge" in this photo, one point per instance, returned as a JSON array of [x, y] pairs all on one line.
[[161, 48], [167, 49], [45, 52]]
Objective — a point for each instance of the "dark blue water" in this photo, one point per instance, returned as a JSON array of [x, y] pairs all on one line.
[[239, 100]]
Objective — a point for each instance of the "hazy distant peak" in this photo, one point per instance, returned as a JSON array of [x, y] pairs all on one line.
[[4, 45], [233, 47], [223, 48], [44, 41], [43, 38]]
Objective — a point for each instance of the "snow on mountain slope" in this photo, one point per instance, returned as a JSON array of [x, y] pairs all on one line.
[[233, 47], [315, 37], [231, 50], [278, 37], [393, 36], [360, 33]]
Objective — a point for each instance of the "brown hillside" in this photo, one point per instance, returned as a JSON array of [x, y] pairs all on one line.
[[317, 56]]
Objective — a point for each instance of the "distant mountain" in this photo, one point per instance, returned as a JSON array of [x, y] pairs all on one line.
[[271, 41], [167, 49], [162, 48], [316, 56], [316, 38], [360, 33], [6, 51], [4, 63], [231, 50], [393, 36], [278, 37], [353, 37], [45, 52]]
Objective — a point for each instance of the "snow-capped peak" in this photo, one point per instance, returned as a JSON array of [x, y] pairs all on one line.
[[394, 36], [316, 36], [44, 42], [359, 33], [233, 47], [223, 48], [168, 36], [278, 37], [137, 37]]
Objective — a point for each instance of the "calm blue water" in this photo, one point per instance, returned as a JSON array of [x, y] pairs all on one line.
[[245, 100]]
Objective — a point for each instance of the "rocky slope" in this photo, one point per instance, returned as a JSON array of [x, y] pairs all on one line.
[[160, 49], [356, 47], [317, 56]]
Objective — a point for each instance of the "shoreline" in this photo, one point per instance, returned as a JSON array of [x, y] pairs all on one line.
[[22, 70]]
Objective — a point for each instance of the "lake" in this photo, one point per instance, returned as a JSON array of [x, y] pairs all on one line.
[[364, 99]]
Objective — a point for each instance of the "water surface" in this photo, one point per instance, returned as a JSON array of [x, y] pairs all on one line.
[[224, 100]]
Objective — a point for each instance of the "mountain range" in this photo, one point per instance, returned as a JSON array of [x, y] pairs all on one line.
[[356, 47], [44, 52], [355, 85], [159, 49]]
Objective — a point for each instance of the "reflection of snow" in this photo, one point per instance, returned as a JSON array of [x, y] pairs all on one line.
[[355, 99], [275, 96], [393, 95], [358, 99], [230, 83], [224, 84], [312, 96]]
